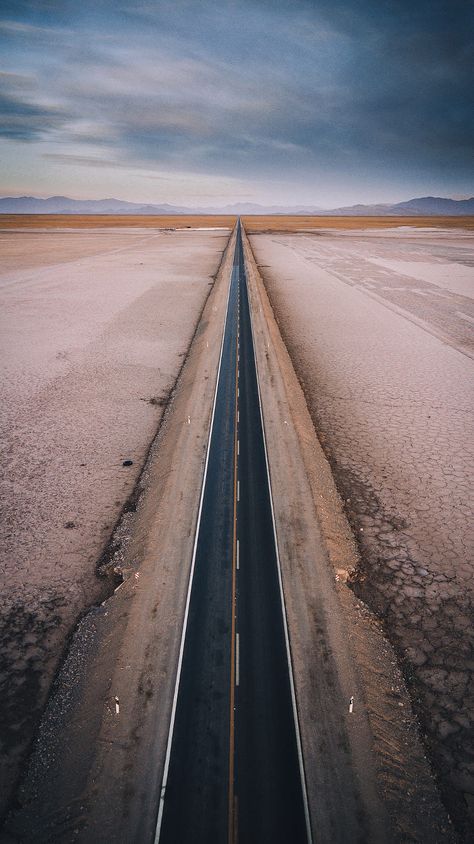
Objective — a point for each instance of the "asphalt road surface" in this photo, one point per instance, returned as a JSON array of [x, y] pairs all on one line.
[[234, 770]]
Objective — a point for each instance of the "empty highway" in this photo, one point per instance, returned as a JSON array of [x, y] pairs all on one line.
[[233, 769]]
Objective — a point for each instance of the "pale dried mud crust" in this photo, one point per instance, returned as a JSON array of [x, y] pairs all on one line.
[[97, 761], [414, 568], [38, 627], [397, 788]]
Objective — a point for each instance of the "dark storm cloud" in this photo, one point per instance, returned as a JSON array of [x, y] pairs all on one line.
[[249, 87]]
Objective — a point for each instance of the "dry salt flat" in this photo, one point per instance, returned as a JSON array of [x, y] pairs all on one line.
[[380, 327], [94, 327]]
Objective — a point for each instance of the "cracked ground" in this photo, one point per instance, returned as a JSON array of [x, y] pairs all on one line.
[[380, 330]]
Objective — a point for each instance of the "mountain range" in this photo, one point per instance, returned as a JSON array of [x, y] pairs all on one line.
[[425, 205]]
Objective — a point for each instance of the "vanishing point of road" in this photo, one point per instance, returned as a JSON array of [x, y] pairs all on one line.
[[234, 769]]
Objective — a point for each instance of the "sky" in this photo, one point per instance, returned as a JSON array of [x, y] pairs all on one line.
[[315, 102]]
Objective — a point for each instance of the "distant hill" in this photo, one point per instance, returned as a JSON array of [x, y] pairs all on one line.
[[253, 208], [64, 205], [425, 205]]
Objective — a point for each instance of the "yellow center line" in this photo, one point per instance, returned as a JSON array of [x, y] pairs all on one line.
[[232, 826]]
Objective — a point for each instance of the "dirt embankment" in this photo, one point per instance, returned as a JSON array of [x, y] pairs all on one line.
[[378, 327]]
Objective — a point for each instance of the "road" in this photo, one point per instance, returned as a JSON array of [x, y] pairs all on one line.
[[233, 770]]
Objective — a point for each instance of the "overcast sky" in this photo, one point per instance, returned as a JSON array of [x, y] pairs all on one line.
[[324, 102]]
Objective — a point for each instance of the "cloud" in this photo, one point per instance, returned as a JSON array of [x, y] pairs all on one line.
[[22, 120], [28, 30], [83, 160], [242, 88], [24, 114], [15, 81]]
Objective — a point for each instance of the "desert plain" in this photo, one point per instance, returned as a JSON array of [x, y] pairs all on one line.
[[379, 327], [98, 315], [96, 323]]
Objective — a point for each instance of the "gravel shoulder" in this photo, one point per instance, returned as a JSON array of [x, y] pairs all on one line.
[[379, 330]]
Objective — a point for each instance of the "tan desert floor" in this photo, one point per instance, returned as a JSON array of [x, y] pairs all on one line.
[[379, 326], [105, 729], [94, 328]]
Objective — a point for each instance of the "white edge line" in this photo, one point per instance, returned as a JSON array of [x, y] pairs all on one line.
[[164, 781], [283, 605]]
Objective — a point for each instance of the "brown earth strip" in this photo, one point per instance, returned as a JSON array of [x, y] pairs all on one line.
[[254, 223], [97, 221], [294, 223]]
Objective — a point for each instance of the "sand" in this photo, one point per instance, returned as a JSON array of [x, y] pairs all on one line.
[[253, 223], [95, 326], [384, 357], [114, 221]]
